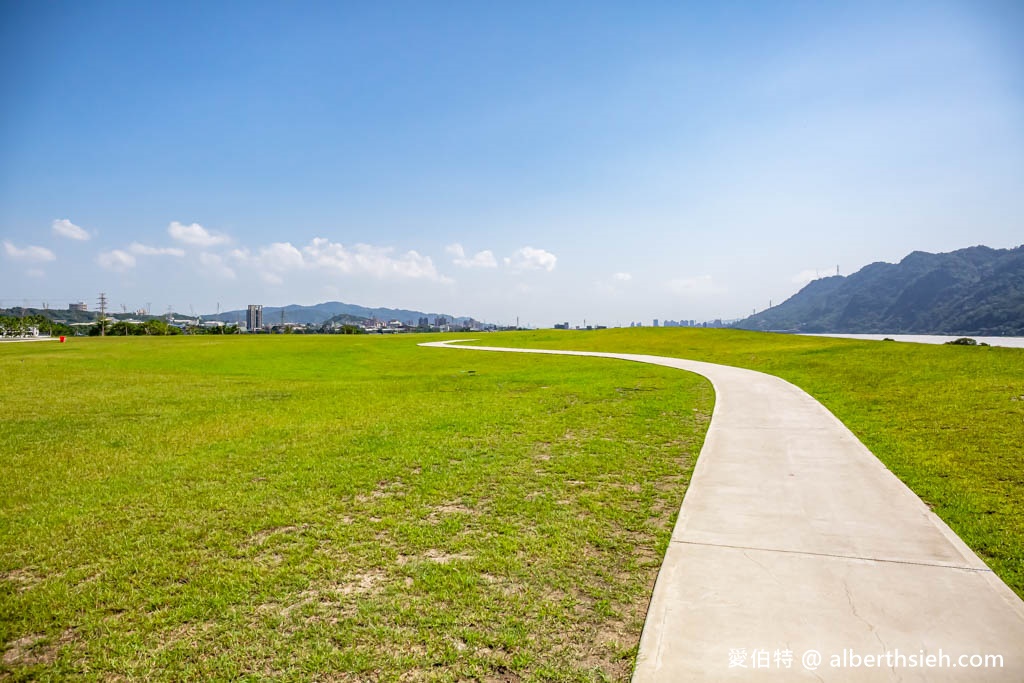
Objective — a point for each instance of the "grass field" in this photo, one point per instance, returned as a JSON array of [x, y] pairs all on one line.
[[342, 508], [360, 508], [947, 420]]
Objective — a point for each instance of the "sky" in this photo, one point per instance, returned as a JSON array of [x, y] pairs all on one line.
[[541, 161]]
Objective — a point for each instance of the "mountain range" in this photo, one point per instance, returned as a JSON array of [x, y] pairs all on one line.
[[333, 311], [973, 291]]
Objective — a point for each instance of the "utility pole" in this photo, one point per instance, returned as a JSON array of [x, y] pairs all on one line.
[[103, 314]]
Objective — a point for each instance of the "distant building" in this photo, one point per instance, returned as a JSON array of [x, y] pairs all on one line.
[[561, 326], [80, 306], [655, 322], [254, 317]]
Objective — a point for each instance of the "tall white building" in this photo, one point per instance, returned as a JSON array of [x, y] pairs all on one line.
[[254, 317]]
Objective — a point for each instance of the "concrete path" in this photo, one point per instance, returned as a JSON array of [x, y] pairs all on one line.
[[798, 556], [14, 340]]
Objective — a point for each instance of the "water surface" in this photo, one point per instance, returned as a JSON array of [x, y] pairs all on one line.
[[1013, 342]]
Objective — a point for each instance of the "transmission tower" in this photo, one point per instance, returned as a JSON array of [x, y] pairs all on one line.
[[103, 314]]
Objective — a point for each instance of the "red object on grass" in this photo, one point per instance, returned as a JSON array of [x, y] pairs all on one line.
[[62, 339]]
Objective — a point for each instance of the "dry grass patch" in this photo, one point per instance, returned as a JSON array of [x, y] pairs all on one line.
[[23, 579], [36, 649]]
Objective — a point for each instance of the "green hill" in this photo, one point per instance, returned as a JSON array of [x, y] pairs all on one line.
[[973, 291]]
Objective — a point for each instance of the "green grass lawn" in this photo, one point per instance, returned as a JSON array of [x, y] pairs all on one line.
[[343, 508], [947, 420], [358, 508]]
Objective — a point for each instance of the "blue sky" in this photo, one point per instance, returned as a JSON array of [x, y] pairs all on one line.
[[551, 161]]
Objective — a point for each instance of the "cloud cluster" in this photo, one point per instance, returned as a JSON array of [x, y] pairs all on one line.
[[321, 254], [121, 260], [65, 228], [196, 235], [273, 262], [481, 259], [216, 266], [529, 258], [525, 258], [29, 254], [808, 275], [116, 260], [145, 250]]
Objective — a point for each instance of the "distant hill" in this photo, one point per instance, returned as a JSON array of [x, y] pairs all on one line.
[[973, 291], [341, 312]]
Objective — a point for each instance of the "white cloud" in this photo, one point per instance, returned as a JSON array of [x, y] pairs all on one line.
[[271, 262], [31, 254], [281, 256], [66, 228], [116, 260], [214, 264], [701, 284], [196, 234], [622, 277], [805, 276], [274, 261], [380, 262], [144, 250], [528, 258], [481, 259]]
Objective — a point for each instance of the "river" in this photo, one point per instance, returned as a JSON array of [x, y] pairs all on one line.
[[1013, 342]]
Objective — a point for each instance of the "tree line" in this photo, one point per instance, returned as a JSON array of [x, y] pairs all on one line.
[[22, 326]]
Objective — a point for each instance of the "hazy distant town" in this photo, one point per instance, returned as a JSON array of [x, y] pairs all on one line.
[[79, 319]]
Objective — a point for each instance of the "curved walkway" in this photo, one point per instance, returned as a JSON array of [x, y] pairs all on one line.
[[793, 539]]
